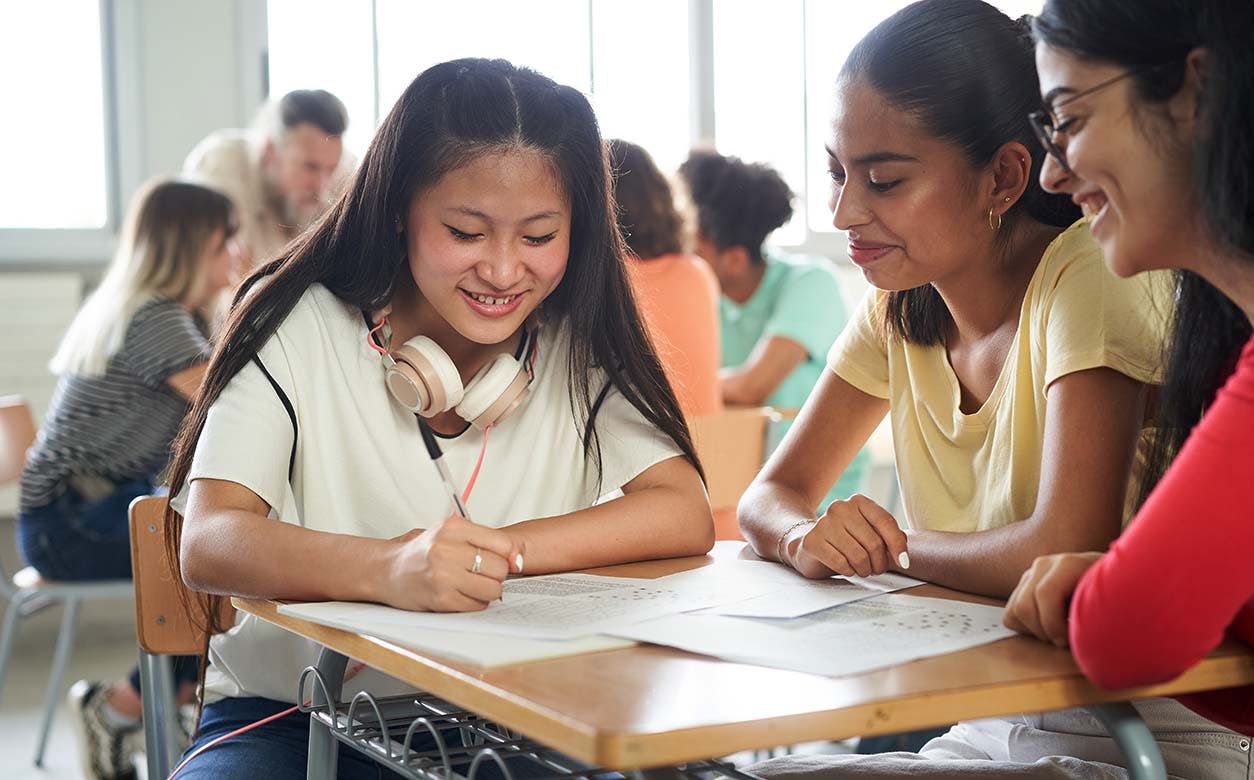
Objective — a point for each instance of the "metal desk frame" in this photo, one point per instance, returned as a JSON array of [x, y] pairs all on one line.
[[331, 722]]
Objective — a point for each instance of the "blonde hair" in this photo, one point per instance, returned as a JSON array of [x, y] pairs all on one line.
[[168, 227]]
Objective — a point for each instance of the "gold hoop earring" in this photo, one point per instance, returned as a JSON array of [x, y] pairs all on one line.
[[994, 220]]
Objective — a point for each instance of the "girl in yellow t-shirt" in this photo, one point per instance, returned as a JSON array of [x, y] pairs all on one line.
[[1014, 366]]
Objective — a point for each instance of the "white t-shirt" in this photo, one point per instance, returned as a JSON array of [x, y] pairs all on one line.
[[361, 467]]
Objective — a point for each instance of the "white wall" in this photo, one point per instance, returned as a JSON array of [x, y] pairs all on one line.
[[196, 73], [187, 64]]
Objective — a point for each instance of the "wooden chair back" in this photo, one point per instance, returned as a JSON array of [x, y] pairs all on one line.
[[17, 434], [162, 623], [732, 447]]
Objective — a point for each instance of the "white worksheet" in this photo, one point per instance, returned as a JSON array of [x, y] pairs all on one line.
[[572, 606], [394, 625], [802, 596], [882, 631], [567, 606]]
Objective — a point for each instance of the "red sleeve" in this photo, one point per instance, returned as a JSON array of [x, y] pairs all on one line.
[[1178, 577]]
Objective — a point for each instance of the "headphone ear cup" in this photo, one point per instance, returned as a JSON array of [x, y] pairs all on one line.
[[497, 390], [424, 379]]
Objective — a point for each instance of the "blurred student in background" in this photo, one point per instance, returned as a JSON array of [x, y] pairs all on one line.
[[677, 293], [282, 173], [779, 313], [129, 364]]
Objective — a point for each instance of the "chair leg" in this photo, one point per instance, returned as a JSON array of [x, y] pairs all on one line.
[[1134, 738], [156, 678], [35, 603], [8, 633], [60, 660]]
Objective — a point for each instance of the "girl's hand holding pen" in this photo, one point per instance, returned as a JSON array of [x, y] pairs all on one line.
[[453, 566]]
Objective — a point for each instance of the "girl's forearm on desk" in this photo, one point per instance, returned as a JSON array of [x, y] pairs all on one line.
[[991, 562], [767, 511], [664, 513], [240, 553]]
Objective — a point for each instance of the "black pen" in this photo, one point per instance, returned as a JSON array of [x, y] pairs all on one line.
[[437, 457]]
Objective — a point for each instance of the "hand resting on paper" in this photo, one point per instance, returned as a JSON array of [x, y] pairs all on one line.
[[432, 569], [854, 537]]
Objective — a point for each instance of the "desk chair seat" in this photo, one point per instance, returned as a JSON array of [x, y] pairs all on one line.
[[28, 593]]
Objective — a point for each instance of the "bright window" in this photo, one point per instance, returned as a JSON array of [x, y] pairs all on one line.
[[414, 36], [759, 92], [641, 90], [326, 44], [631, 59], [53, 94]]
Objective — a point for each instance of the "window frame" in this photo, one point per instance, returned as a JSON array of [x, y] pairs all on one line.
[[53, 248]]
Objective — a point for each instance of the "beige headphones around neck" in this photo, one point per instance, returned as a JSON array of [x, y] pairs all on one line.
[[423, 379]]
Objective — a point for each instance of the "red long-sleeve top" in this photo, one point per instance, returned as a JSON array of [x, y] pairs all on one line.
[[1182, 575]]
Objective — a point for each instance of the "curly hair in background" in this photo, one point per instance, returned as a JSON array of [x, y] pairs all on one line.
[[738, 203]]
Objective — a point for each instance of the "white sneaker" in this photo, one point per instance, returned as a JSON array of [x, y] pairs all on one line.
[[105, 752]]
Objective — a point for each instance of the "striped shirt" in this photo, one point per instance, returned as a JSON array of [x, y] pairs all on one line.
[[119, 426]]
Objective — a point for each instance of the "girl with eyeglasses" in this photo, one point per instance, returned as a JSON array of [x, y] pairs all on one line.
[[1150, 127]]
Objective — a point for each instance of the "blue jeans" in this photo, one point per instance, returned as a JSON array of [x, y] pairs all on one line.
[[276, 751], [279, 750], [73, 539]]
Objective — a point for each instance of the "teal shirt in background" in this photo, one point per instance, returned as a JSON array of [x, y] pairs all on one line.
[[798, 299]]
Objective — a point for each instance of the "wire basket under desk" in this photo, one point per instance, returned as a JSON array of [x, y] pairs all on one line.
[[461, 745]]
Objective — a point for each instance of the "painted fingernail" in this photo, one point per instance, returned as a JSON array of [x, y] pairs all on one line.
[[904, 560], [518, 562]]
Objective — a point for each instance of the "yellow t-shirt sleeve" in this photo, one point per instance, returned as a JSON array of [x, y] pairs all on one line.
[[860, 356], [1090, 318]]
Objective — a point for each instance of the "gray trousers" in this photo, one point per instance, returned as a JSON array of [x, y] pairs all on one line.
[[1063, 745]]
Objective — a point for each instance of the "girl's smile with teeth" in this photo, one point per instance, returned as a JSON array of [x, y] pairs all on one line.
[[1091, 203], [491, 300], [492, 306]]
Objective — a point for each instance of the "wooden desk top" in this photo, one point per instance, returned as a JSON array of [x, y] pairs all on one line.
[[652, 706]]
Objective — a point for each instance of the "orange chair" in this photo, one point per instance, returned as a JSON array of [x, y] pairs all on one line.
[[732, 447]]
